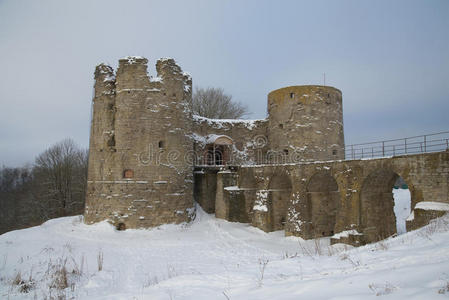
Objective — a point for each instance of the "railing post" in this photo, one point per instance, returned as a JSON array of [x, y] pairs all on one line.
[[362, 152], [425, 144], [405, 143], [352, 151], [447, 144], [394, 151], [420, 144], [372, 152], [383, 148]]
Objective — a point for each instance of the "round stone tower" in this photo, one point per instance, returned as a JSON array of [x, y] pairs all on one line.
[[140, 171], [306, 123]]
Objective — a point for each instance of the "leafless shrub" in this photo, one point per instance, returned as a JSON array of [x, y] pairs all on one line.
[[315, 250], [47, 249], [333, 250], [227, 297], [171, 271], [381, 245], [354, 262], [58, 273], [150, 280], [444, 289], [68, 246], [382, 289], [318, 247], [286, 255], [81, 269], [263, 262], [77, 270], [25, 286], [305, 250], [100, 260], [440, 224], [17, 279]]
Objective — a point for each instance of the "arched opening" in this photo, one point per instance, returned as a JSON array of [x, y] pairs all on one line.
[[402, 204], [215, 155], [377, 205], [121, 226], [217, 150], [323, 200], [280, 189]]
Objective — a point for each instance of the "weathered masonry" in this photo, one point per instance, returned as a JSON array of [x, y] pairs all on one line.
[[323, 198], [150, 159], [137, 174]]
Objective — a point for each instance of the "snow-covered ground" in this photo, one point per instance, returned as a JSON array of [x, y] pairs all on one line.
[[215, 259]]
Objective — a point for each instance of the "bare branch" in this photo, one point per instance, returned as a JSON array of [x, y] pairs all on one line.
[[215, 104]]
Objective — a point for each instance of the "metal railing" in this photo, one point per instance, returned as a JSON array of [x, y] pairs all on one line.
[[434, 142]]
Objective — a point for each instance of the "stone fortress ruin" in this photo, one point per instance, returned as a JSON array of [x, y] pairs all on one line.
[[150, 159]]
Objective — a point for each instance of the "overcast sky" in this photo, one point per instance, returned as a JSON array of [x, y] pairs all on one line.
[[389, 58]]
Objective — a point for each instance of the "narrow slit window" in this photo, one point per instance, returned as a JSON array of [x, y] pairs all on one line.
[[161, 144]]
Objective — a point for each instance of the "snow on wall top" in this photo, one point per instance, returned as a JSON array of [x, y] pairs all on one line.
[[106, 71], [162, 59], [345, 234], [430, 205], [132, 59], [226, 123], [208, 139]]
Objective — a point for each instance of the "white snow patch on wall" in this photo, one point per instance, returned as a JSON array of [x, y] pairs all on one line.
[[345, 234], [261, 201], [430, 205]]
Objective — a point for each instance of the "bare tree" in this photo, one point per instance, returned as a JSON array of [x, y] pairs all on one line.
[[60, 177], [54, 187], [215, 104], [15, 198]]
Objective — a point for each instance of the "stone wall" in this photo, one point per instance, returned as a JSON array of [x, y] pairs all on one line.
[[249, 139], [327, 198], [304, 123], [140, 174]]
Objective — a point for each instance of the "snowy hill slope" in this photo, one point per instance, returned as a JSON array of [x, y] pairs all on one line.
[[215, 259]]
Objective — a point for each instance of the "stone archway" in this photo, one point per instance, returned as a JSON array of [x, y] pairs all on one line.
[[322, 201], [280, 189], [217, 150], [377, 217]]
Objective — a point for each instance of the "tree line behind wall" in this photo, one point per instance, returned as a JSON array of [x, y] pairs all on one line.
[[54, 186]]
